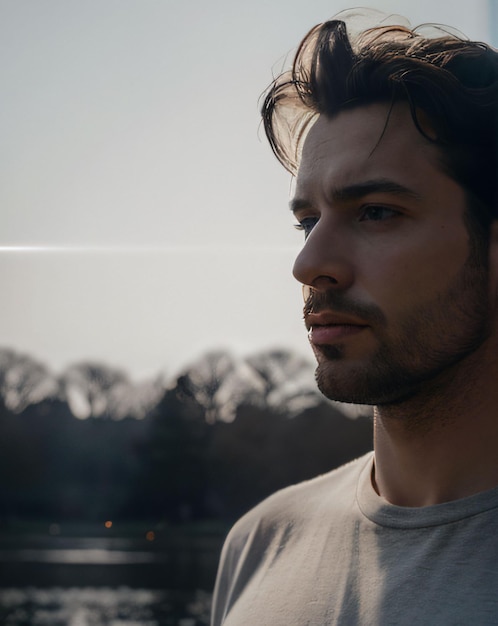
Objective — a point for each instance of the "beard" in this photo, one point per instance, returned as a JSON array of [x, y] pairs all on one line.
[[427, 341]]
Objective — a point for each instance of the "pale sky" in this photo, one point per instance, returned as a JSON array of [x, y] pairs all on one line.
[[131, 151]]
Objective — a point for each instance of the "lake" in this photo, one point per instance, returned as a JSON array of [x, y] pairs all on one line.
[[164, 577]]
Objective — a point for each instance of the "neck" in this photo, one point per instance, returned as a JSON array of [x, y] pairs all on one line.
[[441, 444]]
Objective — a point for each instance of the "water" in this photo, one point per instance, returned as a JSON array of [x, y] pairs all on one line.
[[107, 581], [92, 606]]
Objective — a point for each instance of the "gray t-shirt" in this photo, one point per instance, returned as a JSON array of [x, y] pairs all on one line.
[[331, 551]]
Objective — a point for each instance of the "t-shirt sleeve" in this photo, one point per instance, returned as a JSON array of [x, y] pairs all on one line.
[[231, 559]]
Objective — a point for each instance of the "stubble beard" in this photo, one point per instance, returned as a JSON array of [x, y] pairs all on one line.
[[433, 339]]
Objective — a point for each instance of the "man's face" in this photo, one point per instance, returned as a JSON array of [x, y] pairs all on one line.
[[398, 296]]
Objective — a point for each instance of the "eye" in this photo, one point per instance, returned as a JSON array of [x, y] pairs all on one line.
[[377, 213], [306, 225]]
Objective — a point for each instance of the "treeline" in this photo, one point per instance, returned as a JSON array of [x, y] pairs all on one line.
[[176, 464]]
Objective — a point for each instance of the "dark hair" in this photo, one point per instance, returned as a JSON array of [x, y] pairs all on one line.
[[452, 80]]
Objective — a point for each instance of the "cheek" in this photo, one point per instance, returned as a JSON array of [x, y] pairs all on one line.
[[412, 275]]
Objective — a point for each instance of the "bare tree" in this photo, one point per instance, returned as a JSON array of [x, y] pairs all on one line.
[[24, 381], [89, 387]]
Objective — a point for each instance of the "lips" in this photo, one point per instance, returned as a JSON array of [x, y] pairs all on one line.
[[328, 328], [322, 335]]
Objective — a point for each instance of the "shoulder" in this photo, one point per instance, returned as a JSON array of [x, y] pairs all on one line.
[[302, 501], [288, 518]]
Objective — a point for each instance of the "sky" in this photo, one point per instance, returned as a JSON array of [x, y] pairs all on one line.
[[144, 219]]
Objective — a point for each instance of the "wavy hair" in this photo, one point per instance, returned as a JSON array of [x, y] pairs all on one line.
[[452, 80]]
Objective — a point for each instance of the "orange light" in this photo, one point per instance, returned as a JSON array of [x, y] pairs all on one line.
[[108, 524], [150, 536]]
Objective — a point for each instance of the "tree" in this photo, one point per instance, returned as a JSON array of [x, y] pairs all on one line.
[[89, 386], [24, 381]]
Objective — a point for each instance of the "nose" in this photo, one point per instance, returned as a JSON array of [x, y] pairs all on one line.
[[325, 261]]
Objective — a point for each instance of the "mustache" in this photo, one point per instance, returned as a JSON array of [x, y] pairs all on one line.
[[332, 300]]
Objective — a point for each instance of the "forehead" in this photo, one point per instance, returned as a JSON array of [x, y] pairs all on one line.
[[366, 143]]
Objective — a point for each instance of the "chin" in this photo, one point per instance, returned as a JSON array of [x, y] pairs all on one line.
[[336, 384], [362, 385]]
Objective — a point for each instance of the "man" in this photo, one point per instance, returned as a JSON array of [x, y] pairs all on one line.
[[393, 137]]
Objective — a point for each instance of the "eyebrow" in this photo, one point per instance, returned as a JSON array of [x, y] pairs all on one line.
[[359, 190]]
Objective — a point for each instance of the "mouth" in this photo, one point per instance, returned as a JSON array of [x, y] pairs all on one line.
[[327, 328], [331, 333]]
